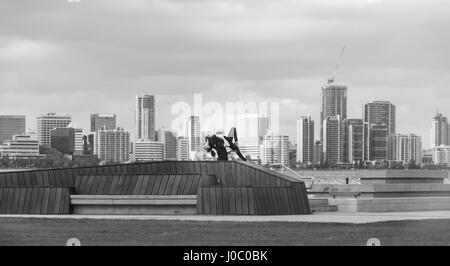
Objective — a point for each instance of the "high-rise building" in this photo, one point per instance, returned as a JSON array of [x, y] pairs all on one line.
[[47, 122], [263, 126], [377, 143], [274, 149], [170, 143], [441, 155], [79, 143], [381, 113], [145, 117], [20, 147], [147, 150], [103, 121], [112, 145], [333, 140], [63, 139], [305, 140], [334, 103], [380, 117], [249, 146], [405, 148], [194, 135], [355, 130], [318, 152], [11, 125], [88, 144], [439, 131], [182, 149]]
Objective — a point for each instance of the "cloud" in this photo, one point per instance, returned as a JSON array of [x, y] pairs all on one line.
[[95, 55]]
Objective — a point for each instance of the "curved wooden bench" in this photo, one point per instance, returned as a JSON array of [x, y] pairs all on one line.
[[134, 204]]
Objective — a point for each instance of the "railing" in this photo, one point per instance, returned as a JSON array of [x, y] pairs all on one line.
[[309, 180]]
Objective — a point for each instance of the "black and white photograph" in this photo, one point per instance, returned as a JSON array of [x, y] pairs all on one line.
[[240, 124]]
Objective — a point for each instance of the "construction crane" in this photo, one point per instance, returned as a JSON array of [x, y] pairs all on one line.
[[333, 74]]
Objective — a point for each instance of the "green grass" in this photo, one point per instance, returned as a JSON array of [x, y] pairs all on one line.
[[16, 231]]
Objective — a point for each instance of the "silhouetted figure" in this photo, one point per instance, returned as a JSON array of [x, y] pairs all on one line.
[[218, 144]]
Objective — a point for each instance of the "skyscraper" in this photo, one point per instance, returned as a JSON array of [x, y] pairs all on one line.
[[194, 135], [105, 121], [145, 117], [381, 113], [334, 103], [305, 139], [405, 148], [63, 139], [380, 117], [249, 146], [274, 149], [170, 143], [112, 145], [377, 143], [47, 122], [147, 150], [318, 152], [355, 130], [439, 131], [263, 125], [333, 140], [11, 125], [182, 149]]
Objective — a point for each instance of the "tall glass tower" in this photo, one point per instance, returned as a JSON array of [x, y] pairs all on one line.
[[145, 117]]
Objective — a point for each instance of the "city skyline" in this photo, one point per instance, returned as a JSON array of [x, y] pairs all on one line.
[[398, 58]]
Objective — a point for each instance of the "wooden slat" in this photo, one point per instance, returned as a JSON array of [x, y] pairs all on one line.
[[225, 200], [101, 185], [170, 183], [33, 199], [138, 185], [181, 187], [206, 201], [238, 200], [119, 185], [3, 199], [245, 200], [156, 185], [146, 185], [57, 202], [94, 189], [40, 195], [188, 185], [212, 199], [51, 201], [46, 200], [232, 200], [176, 184], [163, 185], [251, 201], [133, 180]]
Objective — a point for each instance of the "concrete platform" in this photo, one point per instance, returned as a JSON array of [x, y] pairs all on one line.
[[326, 217], [403, 176], [403, 204], [385, 190]]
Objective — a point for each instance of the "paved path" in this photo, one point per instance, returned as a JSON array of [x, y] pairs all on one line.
[[324, 217]]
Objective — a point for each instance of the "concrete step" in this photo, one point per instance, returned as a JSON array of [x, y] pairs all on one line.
[[321, 205], [329, 208]]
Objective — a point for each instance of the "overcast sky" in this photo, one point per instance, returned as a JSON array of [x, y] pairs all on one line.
[[94, 56]]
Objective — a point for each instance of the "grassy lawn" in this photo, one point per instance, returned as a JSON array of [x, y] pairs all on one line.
[[106, 232]]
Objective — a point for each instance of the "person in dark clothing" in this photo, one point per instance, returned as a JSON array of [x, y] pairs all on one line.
[[218, 144]]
